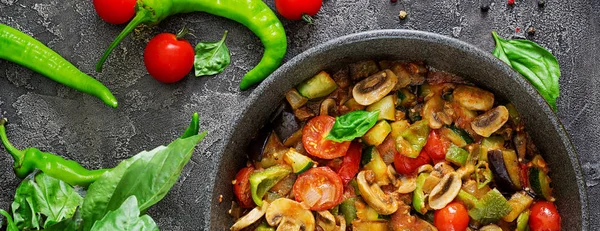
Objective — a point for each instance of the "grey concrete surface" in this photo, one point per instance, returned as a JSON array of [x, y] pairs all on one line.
[[57, 119]]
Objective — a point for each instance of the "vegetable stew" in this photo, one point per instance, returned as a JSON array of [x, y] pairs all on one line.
[[393, 146]]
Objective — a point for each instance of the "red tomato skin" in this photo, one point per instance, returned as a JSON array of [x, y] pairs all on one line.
[[167, 58], [115, 11], [319, 177], [294, 9], [406, 165], [453, 217], [436, 146], [544, 217], [350, 163], [313, 139], [241, 188]]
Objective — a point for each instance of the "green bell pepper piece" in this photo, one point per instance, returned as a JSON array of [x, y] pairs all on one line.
[[412, 140], [490, 208], [261, 182]]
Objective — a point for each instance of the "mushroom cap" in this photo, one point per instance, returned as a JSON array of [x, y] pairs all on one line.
[[445, 191], [488, 123], [375, 87], [382, 203], [290, 214], [250, 218]]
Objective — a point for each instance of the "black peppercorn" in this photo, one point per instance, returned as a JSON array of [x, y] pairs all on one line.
[[541, 3]]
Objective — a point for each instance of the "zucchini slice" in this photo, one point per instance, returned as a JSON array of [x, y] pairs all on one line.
[[458, 136], [299, 162], [386, 107], [377, 165], [318, 86], [540, 183], [457, 155], [377, 134]]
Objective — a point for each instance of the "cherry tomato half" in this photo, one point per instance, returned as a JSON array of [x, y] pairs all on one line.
[[436, 146], [241, 188], [115, 11], [295, 9], [453, 217], [350, 163], [544, 217], [320, 188], [168, 59], [313, 139], [406, 165]]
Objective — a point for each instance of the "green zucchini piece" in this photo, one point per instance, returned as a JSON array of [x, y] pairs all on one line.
[[378, 166], [377, 134], [367, 155], [540, 183], [398, 127], [299, 162], [490, 143], [348, 209], [318, 86], [518, 202], [364, 212], [424, 91], [462, 133], [467, 199], [513, 114], [354, 185], [490, 208], [523, 221], [457, 156], [264, 227], [386, 108], [456, 135], [412, 140], [418, 195], [406, 99], [261, 182]]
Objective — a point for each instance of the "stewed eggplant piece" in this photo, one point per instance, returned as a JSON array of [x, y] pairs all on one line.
[[285, 122], [505, 168]]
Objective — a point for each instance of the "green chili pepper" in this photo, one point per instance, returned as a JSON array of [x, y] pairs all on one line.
[[20, 48], [254, 14], [29, 159]]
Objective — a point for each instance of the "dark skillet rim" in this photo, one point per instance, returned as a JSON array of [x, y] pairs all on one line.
[[436, 38]]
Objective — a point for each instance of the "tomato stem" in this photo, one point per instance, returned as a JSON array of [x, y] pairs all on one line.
[[307, 18], [184, 31]]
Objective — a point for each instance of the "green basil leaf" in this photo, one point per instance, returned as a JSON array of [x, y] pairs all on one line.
[[352, 125], [55, 199], [534, 62], [147, 175], [126, 218], [10, 225], [211, 57], [71, 224], [23, 207]]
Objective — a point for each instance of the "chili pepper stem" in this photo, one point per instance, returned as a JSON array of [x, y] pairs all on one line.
[[307, 18], [142, 16], [17, 154]]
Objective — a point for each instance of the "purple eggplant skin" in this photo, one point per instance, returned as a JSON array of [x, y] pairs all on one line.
[[284, 121], [501, 176], [258, 143]]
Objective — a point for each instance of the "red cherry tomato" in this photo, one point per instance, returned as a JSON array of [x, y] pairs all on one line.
[[436, 146], [544, 217], [453, 217], [350, 163], [313, 139], [406, 165], [295, 9], [167, 58], [241, 188], [320, 188], [115, 11]]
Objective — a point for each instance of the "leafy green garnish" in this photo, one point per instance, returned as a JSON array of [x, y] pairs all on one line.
[[55, 199], [126, 218], [352, 125], [211, 57], [9, 221], [534, 62], [23, 208]]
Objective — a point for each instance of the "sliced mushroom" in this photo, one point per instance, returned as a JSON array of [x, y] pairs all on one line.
[[445, 191], [488, 123], [432, 112], [404, 183], [250, 218], [425, 168], [328, 222], [491, 227], [375, 87], [382, 203], [473, 98], [287, 214], [327, 107], [443, 168]]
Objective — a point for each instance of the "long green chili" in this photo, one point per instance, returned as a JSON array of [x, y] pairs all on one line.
[[20, 48], [254, 14]]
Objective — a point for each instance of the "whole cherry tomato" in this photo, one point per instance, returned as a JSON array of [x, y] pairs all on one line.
[[168, 58], [406, 165], [298, 9], [313, 139], [436, 146], [544, 217], [241, 188], [453, 217], [115, 11], [320, 188], [350, 163]]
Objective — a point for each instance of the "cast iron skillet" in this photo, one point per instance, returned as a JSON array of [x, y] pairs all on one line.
[[440, 52]]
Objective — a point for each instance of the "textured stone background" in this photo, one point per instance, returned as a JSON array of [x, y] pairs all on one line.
[[57, 119]]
